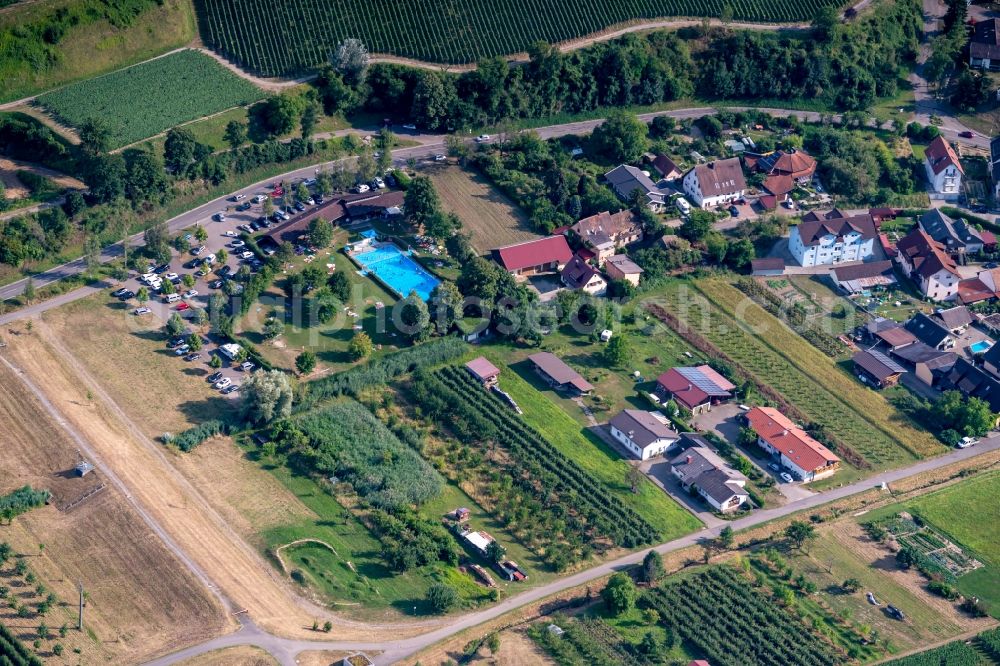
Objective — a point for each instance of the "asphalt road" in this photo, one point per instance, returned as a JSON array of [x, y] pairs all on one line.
[[285, 650]]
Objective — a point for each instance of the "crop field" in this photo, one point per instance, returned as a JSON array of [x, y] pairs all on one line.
[[287, 36], [778, 357], [491, 219], [140, 101]]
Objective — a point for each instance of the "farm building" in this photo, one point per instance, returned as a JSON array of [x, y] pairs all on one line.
[[808, 459], [929, 364], [485, 372], [620, 267], [696, 389], [644, 434], [543, 255], [715, 183], [701, 468], [876, 369], [578, 275], [480, 541], [558, 374], [864, 277], [605, 233]]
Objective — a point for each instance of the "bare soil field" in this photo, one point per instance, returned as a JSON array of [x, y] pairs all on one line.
[[491, 219], [241, 655], [15, 189], [142, 601]]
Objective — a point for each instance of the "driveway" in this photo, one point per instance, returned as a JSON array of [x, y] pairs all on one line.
[[658, 471]]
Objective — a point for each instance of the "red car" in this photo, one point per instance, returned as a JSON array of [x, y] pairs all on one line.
[[967, 134], [277, 192], [182, 306]]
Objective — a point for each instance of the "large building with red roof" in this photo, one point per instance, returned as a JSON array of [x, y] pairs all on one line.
[[783, 169], [926, 262], [696, 389], [542, 255], [944, 170], [797, 450]]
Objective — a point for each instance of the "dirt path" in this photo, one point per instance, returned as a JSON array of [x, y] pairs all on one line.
[[273, 85], [15, 189]]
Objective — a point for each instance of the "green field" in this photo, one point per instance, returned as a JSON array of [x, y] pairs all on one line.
[[286, 36], [140, 101]]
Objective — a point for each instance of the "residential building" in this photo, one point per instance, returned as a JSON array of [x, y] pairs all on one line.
[[832, 239], [625, 180], [876, 369], [931, 332], [991, 278], [581, 276], [797, 450], [973, 382], [864, 277], [543, 255], [929, 364], [696, 389], [485, 372], [605, 233], [880, 215], [644, 434], [666, 167], [715, 183], [984, 45], [698, 467], [944, 171], [925, 261], [957, 236], [559, 375], [991, 360], [973, 290], [784, 170], [955, 319], [995, 166], [767, 266], [620, 267]]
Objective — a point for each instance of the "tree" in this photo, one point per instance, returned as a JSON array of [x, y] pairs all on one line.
[[29, 290], [142, 295], [495, 552], [194, 341], [267, 206], [434, 96], [697, 226], [267, 395], [441, 597], [446, 306], [281, 112], [799, 533], [621, 138], [618, 352], [200, 233], [74, 204], [272, 328], [215, 362], [157, 242], [221, 255], [350, 60], [620, 594], [421, 202], [651, 647], [851, 585], [235, 134], [360, 346], [824, 24], [167, 288], [340, 286], [652, 567], [307, 123], [188, 281], [906, 557], [179, 148], [92, 252], [414, 317], [320, 233], [175, 325], [726, 537], [305, 362], [95, 136]]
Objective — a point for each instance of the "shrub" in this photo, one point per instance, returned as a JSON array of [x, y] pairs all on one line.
[[191, 438], [441, 597]]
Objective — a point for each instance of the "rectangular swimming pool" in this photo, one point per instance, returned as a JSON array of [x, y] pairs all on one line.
[[980, 347], [398, 270]]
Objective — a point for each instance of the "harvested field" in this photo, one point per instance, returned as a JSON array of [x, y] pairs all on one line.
[[241, 655], [487, 215], [142, 600]]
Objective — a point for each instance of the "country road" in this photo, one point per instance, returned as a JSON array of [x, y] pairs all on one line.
[[285, 650]]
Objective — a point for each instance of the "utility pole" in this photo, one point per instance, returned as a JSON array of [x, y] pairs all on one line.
[[79, 624]]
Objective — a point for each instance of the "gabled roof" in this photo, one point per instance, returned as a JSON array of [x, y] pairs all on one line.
[[992, 356], [577, 273], [482, 368], [376, 204], [954, 234], [643, 427], [720, 178], [918, 352], [863, 276], [955, 317], [896, 337], [985, 41], [940, 155], [791, 441], [604, 228], [877, 364], [719, 486], [925, 254], [693, 386], [973, 290], [624, 264], [534, 253], [767, 264], [974, 383], [927, 330], [556, 368], [625, 179], [665, 166], [813, 230]]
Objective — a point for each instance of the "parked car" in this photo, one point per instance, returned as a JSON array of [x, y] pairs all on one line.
[[229, 389], [223, 383], [161, 268], [299, 206], [219, 217], [183, 306], [198, 250], [183, 349], [409, 126], [254, 226], [378, 183], [141, 311], [872, 600], [361, 188], [482, 138], [193, 356], [786, 477], [246, 366], [190, 293], [125, 295], [243, 207], [310, 201], [259, 198], [991, 265], [118, 292], [215, 376], [894, 612], [734, 211], [216, 284], [247, 255], [967, 134], [245, 228], [171, 276], [224, 271], [263, 222], [774, 467], [238, 197], [230, 233], [440, 157], [175, 341], [237, 243], [966, 442]]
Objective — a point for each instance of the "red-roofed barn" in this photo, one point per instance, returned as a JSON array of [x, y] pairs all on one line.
[[544, 255]]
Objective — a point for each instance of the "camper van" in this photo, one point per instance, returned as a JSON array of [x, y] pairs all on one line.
[[683, 206]]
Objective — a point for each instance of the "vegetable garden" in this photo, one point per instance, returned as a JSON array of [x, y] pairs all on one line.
[[285, 37], [719, 611], [149, 98]]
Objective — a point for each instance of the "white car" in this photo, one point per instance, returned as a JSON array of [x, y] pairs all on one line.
[[247, 255], [223, 383], [239, 197], [237, 243], [259, 198], [230, 233], [362, 188], [141, 311], [967, 442], [482, 138], [246, 366], [171, 276], [440, 158], [378, 183], [786, 477], [190, 293]]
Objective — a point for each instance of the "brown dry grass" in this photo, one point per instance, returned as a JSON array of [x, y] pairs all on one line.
[[322, 658], [15, 189], [489, 216], [142, 600], [241, 655]]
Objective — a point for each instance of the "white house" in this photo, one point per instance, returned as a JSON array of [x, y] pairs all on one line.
[[944, 171], [715, 183], [698, 467], [925, 261], [644, 434], [822, 240], [807, 459]]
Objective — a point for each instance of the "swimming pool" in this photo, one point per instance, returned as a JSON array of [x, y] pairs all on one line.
[[398, 271], [980, 347]]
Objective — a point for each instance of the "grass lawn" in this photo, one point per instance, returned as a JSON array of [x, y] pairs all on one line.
[[591, 453]]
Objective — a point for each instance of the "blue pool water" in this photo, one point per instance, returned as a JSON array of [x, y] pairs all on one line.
[[398, 271], [980, 347]]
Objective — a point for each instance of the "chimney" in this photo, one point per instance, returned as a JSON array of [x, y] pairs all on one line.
[[689, 459]]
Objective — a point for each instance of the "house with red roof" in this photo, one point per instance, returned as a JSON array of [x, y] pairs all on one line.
[[542, 255], [695, 388], [783, 170], [807, 459], [944, 170], [927, 263]]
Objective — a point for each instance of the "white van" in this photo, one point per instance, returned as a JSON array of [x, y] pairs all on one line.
[[172, 298], [683, 206]]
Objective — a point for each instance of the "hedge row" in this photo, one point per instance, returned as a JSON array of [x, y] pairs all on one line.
[[191, 438]]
